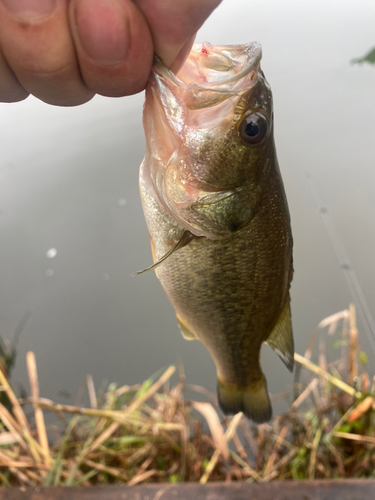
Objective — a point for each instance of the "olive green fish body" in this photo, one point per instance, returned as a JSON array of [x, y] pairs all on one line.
[[229, 285]]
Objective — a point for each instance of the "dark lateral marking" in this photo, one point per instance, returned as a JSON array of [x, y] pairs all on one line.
[[234, 225]]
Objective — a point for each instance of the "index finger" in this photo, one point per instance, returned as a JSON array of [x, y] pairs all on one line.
[[113, 45]]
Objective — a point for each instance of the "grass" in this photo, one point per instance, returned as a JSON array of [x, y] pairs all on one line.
[[152, 433]]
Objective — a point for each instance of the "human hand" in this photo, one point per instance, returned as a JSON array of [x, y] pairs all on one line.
[[66, 51]]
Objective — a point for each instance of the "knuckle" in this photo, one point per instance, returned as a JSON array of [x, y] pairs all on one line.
[[59, 86]]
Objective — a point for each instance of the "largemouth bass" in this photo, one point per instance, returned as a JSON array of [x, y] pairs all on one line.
[[217, 215]]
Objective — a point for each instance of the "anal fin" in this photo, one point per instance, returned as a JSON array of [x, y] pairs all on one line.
[[185, 331], [281, 337]]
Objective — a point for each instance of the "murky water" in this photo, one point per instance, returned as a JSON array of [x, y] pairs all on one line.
[[72, 229]]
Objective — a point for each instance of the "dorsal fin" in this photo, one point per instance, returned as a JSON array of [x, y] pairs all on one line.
[[185, 239], [281, 337]]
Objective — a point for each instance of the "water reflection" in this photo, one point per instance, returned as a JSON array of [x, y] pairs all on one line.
[[69, 181]]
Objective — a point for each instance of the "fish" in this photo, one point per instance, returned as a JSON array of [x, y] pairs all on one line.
[[217, 215]]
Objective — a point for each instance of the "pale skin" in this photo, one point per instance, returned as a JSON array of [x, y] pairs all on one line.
[[66, 51]]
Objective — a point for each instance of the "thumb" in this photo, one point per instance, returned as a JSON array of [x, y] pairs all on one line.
[[173, 25]]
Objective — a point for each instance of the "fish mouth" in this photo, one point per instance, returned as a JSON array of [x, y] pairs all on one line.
[[212, 74]]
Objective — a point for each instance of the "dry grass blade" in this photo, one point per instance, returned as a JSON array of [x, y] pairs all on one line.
[[142, 477], [7, 438], [333, 380], [330, 321], [353, 345], [112, 471], [18, 412], [33, 447], [245, 466], [216, 429], [333, 320], [23, 479], [91, 391], [355, 437], [151, 391], [362, 408], [305, 394], [39, 418], [12, 426], [315, 444], [103, 437], [228, 436], [273, 456]]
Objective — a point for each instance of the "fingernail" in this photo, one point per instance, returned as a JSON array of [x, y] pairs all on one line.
[[103, 31], [29, 9]]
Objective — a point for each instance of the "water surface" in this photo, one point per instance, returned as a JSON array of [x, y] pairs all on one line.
[[71, 224]]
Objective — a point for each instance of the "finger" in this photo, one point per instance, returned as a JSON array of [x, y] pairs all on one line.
[[113, 45], [36, 42], [173, 25], [10, 88], [182, 55]]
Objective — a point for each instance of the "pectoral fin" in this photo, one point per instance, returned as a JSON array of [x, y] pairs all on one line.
[[185, 331], [186, 238], [281, 337]]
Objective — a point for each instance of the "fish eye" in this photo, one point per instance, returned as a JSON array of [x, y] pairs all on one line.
[[253, 128]]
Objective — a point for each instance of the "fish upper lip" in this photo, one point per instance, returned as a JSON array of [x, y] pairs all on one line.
[[254, 51]]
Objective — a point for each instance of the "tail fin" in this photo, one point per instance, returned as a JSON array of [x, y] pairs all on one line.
[[252, 400]]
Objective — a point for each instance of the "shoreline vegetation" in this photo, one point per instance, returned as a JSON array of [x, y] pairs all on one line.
[[151, 433]]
